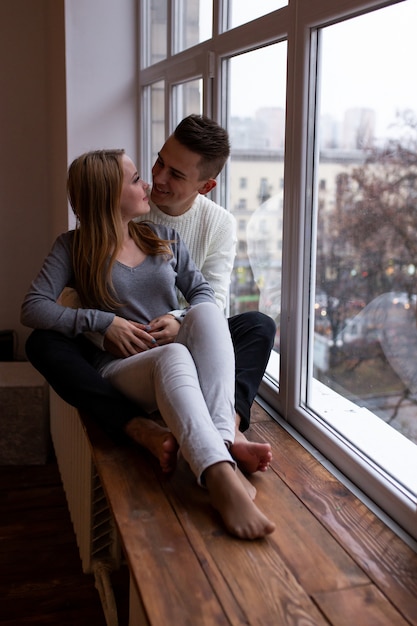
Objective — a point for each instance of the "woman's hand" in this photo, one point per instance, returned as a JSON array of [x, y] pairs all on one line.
[[164, 329], [124, 338]]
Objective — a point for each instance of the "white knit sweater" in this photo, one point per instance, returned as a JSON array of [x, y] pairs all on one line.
[[209, 231]]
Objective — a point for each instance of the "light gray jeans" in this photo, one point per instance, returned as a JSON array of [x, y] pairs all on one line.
[[192, 384]]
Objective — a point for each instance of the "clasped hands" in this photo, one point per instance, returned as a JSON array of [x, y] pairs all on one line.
[[124, 338]]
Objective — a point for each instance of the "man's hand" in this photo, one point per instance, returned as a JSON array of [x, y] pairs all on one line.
[[124, 338]]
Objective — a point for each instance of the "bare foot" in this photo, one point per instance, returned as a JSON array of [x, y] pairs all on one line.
[[155, 438], [250, 489], [229, 497], [250, 456]]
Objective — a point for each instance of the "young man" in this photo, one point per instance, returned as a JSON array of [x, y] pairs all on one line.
[[183, 174]]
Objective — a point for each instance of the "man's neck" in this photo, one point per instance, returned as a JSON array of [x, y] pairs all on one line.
[[176, 211]]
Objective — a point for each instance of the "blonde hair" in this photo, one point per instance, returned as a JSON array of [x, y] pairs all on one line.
[[94, 188]]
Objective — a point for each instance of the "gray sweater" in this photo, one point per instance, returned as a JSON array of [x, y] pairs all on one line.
[[147, 290]]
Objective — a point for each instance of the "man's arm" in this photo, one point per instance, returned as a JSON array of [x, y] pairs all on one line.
[[218, 264]]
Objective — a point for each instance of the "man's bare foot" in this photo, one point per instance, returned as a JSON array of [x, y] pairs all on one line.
[[250, 456], [229, 497], [155, 438]]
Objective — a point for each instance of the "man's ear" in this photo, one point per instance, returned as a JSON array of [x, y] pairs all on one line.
[[207, 186]]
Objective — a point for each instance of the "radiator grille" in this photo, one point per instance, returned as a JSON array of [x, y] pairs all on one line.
[[94, 528]]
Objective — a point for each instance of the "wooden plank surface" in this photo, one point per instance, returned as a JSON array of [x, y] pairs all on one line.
[[169, 581], [189, 570], [344, 606], [385, 559], [254, 572]]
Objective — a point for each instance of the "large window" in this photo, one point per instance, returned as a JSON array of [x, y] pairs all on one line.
[[365, 331], [256, 125], [320, 104]]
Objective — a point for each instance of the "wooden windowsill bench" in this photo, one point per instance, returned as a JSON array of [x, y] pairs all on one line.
[[330, 560]]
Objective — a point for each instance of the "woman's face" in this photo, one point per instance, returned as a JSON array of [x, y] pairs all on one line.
[[134, 199]]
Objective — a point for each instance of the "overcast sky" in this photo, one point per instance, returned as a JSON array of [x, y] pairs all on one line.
[[368, 61]]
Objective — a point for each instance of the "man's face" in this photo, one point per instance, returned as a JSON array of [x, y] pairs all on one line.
[[176, 178]]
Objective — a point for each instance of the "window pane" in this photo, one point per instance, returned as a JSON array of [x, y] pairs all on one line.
[[365, 332], [152, 142], [187, 98], [239, 12], [257, 127], [154, 31], [193, 23]]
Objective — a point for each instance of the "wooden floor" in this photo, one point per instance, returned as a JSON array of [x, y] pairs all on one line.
[[328, 548], [41, 580]]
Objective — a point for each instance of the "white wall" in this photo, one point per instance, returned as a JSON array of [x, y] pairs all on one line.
[[68, 84], [25, 218], [101, 75]]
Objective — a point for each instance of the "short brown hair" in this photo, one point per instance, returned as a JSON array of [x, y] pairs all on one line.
[[205, 137]]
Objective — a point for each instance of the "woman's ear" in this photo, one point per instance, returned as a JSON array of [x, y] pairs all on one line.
[[207, 186]]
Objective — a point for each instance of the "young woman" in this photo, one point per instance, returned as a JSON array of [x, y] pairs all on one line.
[[126, 274]]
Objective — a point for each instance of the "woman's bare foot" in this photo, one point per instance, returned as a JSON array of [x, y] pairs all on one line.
[[155, 438], [250, 456], [229, 497], [250, 489]]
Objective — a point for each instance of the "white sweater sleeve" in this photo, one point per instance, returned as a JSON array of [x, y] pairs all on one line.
[[218, 264]]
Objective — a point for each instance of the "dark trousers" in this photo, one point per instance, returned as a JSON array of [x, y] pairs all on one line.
[[66, 363], [253, 336]]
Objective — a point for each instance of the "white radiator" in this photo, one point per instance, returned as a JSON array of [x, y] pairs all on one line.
[[96, 535]]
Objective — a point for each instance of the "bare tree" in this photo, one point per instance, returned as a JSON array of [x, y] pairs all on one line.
[[379, 216]]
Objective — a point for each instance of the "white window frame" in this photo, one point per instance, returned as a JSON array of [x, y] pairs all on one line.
[[361, 445], [342, 441]]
